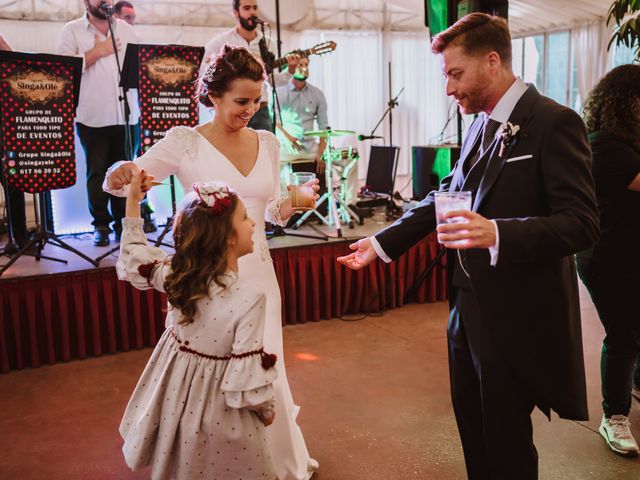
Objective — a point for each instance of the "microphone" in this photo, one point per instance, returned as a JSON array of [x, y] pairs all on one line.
[[258, 20], [106, 8], [368, 137]]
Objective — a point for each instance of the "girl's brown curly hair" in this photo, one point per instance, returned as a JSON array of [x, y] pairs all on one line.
[[614, 104], [201, 243]]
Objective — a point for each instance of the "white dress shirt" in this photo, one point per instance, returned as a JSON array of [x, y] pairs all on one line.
[[232, 37], [501, 113], [98, 105]]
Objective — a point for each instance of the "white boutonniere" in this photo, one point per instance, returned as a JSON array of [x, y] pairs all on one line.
[[507, 133]]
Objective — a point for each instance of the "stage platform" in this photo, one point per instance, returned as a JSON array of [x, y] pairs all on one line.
[[52, 312]]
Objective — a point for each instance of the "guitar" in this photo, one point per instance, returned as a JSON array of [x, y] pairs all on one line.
[[319, 49]]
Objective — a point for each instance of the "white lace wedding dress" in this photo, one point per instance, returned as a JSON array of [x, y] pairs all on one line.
[[189, 156]]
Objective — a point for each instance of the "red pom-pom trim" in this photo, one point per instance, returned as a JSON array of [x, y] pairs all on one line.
[[222, 203], [268, 360], [147, 269]]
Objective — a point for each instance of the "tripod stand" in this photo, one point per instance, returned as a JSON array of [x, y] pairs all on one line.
[[41, 238], [169, 225], [336, 206], [393, 102], [10, 247]]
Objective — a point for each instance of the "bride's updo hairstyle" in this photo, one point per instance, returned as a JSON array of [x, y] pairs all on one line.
[[230, 64]]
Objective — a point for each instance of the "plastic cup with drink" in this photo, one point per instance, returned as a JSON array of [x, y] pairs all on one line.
[[450, 201], [301, 191]]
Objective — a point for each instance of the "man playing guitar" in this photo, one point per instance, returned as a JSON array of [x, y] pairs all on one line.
[[245, 34]]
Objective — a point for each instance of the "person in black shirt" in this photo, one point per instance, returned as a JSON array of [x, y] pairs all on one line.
[[611, 268]]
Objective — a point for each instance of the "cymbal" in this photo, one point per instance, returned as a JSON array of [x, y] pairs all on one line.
[[328, 133]]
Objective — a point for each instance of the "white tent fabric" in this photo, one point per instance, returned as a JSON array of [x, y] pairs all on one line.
[[526, 16], [587, 39]]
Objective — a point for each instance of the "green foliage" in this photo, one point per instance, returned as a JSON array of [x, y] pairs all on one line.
[[625, 13]]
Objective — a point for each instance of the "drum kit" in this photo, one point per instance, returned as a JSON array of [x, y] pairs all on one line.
[[339, 164]]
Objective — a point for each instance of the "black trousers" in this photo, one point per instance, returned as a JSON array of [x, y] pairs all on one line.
[[492, 406], [17, 213], [614, 290], [103, 147]]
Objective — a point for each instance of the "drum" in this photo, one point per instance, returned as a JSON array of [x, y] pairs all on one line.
[[344, 156], [344, 163]]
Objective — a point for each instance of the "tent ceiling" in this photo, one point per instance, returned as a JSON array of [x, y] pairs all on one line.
[[526, 16]]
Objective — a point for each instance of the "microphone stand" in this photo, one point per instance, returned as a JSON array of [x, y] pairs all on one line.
[[268, 59], [128, 144], [393, 102], [390, 106]]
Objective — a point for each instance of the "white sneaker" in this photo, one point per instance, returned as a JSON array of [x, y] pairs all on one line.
[[617, 432]]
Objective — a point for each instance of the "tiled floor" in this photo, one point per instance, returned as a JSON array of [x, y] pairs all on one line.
[[374, 396]]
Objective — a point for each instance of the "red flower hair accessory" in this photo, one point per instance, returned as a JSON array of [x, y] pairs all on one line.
[[215, 195]]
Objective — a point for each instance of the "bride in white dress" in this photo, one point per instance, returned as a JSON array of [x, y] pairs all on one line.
[[247, 160]]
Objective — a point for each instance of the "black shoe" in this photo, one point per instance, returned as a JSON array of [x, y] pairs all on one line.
[[149, 226], [101, 237]]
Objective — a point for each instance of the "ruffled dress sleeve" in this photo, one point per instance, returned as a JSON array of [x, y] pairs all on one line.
[[274, 203], [248, 379], [140, 264], [163, 159]]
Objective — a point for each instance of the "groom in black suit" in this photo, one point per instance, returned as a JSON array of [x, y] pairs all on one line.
[[514, 332]]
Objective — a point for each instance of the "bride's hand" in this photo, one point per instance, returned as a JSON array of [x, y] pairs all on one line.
[[122, 175]]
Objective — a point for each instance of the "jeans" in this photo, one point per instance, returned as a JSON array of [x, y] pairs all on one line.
[[614, 289]]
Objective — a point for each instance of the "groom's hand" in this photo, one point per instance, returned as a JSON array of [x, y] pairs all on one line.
[[363, 255], [476, 232]]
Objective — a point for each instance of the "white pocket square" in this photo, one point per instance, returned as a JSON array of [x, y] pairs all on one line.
[[517, 159]]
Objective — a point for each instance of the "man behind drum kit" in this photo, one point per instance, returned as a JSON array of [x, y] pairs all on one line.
[[300, 105]]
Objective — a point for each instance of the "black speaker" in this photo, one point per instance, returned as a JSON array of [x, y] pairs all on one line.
[[492, 7], [456, 9], [424, 177]]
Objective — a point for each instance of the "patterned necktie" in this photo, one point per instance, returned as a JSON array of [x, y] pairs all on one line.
[[488, 133]]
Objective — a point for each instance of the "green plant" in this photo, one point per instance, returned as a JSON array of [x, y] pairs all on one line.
[[627, 32]]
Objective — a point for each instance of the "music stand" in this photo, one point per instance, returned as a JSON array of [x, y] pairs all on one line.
[[43, 235]]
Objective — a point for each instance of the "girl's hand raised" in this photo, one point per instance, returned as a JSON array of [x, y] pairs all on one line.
[[139, 185]]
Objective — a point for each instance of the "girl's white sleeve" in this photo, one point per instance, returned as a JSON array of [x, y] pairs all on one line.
[[140, 264]]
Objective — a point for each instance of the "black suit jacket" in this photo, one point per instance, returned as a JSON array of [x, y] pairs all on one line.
[[541, 194]]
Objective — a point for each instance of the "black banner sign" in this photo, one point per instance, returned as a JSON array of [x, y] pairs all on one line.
[[166, 89], [37, 104]]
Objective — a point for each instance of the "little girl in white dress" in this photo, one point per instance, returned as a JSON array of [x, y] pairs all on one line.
[[200, 408]]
